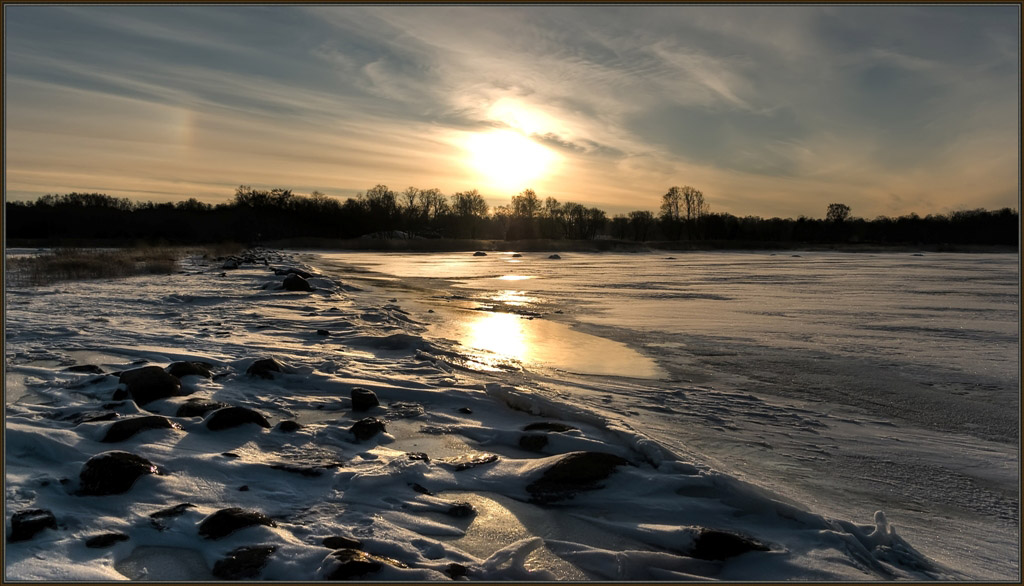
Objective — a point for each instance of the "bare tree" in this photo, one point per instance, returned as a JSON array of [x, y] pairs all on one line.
[[837, 212]]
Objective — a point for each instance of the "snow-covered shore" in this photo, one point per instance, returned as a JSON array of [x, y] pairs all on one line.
[[472, 476]]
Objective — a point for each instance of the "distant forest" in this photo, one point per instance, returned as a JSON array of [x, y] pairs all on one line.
[[255, 215]]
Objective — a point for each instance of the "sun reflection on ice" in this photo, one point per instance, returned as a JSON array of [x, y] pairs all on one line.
[[500, 333]]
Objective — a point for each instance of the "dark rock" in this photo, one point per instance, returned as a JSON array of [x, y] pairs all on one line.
[[478, 253], [548, 426], [198, 407], [469, 460], [340, 542], [418, 456], [292, 271], [289, 426], [229, 264], [296, 283], [345, 564], [126, 428], [243, 488], [712, 544], [229, 417], [323, 333], [455, 570], [149, 383], [105, 540], [420, 488], [555, 256], [461, 509], [119, 395], [113, 473], [517, 255], [89, 368], [533, 443], [244, 562], [230, 455], [174, 511], [573, 473], [364, 429], [465, 410], [227, 521], [363, 399], [310, 472], [180, 369], [264, 367], [25, 524]]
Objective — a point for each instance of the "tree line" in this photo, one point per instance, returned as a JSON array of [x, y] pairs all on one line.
[[262, 215]]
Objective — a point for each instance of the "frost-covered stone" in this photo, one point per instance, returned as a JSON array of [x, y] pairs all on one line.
[[126, 428], [712, 544], [264, 368], [185, 368], [26, 524], [365, 429], [573, 473], [244, 562], [347, 564], [227, 521]]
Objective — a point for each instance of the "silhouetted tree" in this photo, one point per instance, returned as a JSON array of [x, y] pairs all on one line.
[[837, 212]]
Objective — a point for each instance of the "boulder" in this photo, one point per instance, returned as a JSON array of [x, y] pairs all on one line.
[[555, 257], [244, 562], [227, 521], [113, 473], [126, 428], [105, 540], [363, 399], [229, 417], [517, 255], [341, 542], [264, 368], [478, 253], [572, 473], [712, 544], [323, 333], [289, 426], [149, 383], [347, 564], [89, 368], [198, 407], [296, 283], [365, 429], [292, 271], [25, 524], [180, 369], [455, 570]]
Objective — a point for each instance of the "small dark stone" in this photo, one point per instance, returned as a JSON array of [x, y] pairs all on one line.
[[712, 544], [149, 383], [227, 521], [323, 333], [90, 368], [289, 426], [180, 369], [198, 407], [113, 473], [418, 456], [462, 509], [345, 564], [533, 443], [365, 429], [174, 511], [25, 524], [244, 562], [230, 455], [573, 473], [244, 488], [516, 255], [264, 367], [470, 460], [455, 570], [294, 282], [420, 488], [548, 426], [126, 428], [105, 540], [339, 542], [465, 410], [229, 417], [363, 399], [478, 253], [555, 257]]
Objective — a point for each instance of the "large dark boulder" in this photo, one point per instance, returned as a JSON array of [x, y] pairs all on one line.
[[229, 417], [244, 562], [227, 521], [712, 544], [348, 564], [363, 399], [113, 473], [149, 383], [198, 407], [264, 368], [572, 473], [126, 428], [180, 369], [25, 524], [294, 282], [365, 429]]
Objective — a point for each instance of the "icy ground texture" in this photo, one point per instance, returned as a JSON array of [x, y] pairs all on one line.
[[849, 383], [396, 493]]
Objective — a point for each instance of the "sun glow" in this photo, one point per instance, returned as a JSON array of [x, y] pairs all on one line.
[[508, 161]]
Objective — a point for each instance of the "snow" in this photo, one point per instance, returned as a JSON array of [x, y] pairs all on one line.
[[444, 398]]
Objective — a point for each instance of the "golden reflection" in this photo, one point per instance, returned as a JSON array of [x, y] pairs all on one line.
[[514, 277], [513, 298], [500, 333]]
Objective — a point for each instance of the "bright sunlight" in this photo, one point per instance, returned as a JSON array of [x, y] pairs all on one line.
[[507, 160]]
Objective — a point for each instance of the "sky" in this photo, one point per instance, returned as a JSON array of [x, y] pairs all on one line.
[[773, 111]]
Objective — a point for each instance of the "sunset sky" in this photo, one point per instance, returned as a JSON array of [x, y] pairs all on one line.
[[769, 110]]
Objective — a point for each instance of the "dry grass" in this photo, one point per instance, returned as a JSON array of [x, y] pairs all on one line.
[[72, 264]]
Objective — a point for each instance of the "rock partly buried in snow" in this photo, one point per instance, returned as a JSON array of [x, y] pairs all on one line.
[[347, 564], [174, 511], [105, 540], [149, 383], [516, 255], [363, 399], [533, 442], [198, 407], [180, 369], [296, 283], [264, 368], [227, 521], [555, 257], [244, 562], [712, 544], [365, 429], [88, 368], [461, 509], [341, 542], [478, 253], [113, 473], [572, 473], [229, 417], [292, 271], [25, 524], [549, 426], [289, 426], [126, 428], [469, 460]]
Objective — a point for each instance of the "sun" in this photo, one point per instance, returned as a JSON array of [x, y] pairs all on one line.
[[507, 160]]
